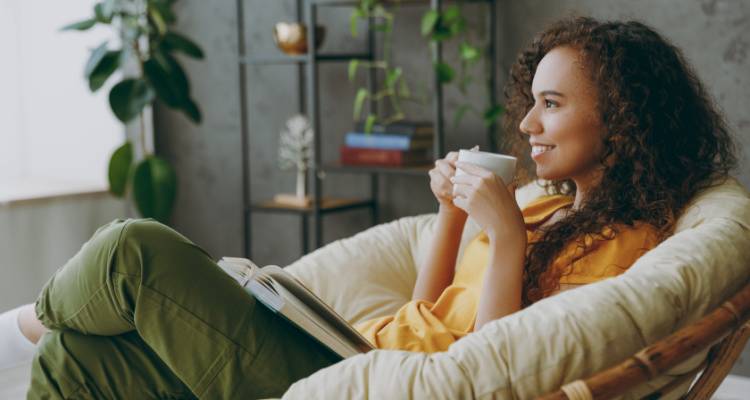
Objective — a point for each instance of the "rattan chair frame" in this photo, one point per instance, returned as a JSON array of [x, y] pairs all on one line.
[[725, 331]]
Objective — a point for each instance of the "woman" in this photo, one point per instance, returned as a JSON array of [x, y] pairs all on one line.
[[619, 127]]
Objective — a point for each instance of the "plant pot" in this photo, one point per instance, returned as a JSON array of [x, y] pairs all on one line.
[[291, 37]]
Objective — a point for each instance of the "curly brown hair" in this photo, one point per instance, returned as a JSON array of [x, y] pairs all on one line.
[[667, 137]]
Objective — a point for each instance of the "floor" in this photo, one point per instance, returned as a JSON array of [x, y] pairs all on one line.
[[734, 387]]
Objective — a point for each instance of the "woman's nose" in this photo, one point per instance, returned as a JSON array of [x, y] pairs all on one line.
[[529, 124]]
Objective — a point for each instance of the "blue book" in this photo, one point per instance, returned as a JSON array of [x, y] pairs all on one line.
[[386, 142], [407, 128]]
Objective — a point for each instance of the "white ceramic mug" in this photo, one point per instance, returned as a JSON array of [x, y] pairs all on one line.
[[500, 164]]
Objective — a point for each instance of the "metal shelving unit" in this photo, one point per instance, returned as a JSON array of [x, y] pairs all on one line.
[[306, 11]]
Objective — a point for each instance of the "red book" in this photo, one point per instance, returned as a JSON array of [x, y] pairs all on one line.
[[380, 157]]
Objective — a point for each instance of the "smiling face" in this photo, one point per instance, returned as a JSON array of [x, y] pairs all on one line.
[[564, 127]]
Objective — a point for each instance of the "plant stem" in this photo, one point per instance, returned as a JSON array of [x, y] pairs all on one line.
[[142, 135]]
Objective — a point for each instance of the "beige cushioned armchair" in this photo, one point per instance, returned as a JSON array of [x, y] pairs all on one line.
[[555, 341], [535, 351]]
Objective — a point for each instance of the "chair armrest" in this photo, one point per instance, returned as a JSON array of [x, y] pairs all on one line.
[[369, 274]]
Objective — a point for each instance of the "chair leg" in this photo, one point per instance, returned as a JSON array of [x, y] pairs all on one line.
[[726, 355]]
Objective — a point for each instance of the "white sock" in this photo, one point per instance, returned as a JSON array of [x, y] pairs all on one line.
[[15, 348]]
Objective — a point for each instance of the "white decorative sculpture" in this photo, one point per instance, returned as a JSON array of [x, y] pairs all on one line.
[[296, 151]]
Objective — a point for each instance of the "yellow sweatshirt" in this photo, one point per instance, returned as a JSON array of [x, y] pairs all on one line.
[[423, 326]]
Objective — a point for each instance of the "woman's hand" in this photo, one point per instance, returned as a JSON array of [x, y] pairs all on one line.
[[440, 182], [489, 202]]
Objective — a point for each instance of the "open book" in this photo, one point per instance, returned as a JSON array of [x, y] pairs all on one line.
[[287, 296]]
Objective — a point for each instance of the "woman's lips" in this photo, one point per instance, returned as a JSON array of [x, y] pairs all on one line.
[[538, 151]]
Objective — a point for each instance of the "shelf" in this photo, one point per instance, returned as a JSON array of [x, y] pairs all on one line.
[[406, 170], [328, 205], [301, 59], [347, 3]]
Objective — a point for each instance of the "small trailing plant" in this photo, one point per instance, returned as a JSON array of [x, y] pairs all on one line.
[[395, 88], [438, 26], [143, 51], [450, 24]]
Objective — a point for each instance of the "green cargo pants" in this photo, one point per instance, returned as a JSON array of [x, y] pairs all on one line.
[[141, 312]]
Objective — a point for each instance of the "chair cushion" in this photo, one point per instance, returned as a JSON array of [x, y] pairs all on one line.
[[558, 339], [378, 267]]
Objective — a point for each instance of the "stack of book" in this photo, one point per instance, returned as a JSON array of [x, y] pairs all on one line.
[[394, 145]]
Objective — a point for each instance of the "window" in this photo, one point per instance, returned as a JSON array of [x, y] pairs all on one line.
[[55, 135]]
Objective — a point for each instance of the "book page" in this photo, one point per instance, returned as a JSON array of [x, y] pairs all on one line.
[[281, 301], [240, 269], [323, 310]]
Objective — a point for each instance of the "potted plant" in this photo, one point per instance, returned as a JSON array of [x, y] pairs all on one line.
[[144, 54], [437, 26]]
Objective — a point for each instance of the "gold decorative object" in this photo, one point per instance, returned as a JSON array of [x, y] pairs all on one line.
[[291, 37]]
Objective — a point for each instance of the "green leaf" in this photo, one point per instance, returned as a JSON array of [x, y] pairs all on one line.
[[359, 100], [103, 13], [451, 14], [192, 111], [444, 72], [80, 26], [169, 81], [169, 88], [96, 56], [441, 32], [119, 169], [429, 19], [155, 188], [468, 52], [157, 20], [108, 8], [175, 41], [128, 97], [392, 77], [104, 69], [459, 114], [353, 64], [369, 123], [457, 27], [492, 113], [454, 20], [164, 10]]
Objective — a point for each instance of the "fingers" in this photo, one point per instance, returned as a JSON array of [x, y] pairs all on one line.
[[473, 169], [440, 179], [445, 167]]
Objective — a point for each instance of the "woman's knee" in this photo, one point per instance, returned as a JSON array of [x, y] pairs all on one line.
[[150, 233], [154, 248]]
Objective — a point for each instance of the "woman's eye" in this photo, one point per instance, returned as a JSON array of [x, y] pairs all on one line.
[[549, 104]]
